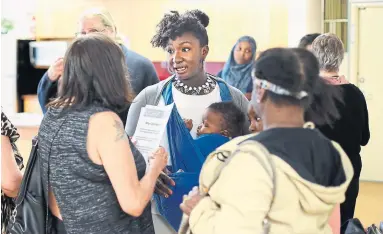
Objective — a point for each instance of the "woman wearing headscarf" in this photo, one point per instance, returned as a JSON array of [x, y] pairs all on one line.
[[237, 69]]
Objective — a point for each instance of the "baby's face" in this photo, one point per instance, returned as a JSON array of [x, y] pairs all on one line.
[[255, 120], [212, 122]]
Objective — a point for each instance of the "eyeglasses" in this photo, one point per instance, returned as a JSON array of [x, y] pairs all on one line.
[[77, 34]]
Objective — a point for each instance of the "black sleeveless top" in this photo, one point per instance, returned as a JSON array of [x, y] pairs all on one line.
[[83, 190]]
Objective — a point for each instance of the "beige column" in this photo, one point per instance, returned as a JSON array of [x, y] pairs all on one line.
[[304, 17], [279, 27]]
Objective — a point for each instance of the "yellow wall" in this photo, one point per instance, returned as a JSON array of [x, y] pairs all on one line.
[[265, 20], [228, 21], [304, 16], [278, 28]]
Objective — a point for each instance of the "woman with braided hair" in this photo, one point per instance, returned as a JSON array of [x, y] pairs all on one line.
[[289, 178]]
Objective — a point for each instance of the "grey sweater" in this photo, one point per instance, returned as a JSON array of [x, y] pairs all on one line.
[[141, 70], [152, 95]]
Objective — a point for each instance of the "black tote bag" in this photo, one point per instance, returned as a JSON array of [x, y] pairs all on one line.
[[30, 215], [30, 211]]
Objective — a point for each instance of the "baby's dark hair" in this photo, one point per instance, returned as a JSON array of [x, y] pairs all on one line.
[[174, 24], [233, 116]]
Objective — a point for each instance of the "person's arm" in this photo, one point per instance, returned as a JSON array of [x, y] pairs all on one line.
[[43, 90], [243, 205], [11, 176], [134, 112], [365, 124], [140, 101], [151, 74], [114, 150], [334, 221], [48, 82]]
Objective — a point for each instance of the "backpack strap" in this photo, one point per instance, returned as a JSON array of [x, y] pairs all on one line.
[[218, 160]]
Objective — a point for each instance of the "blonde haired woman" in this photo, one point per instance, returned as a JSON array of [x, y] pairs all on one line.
[[141, 70], [352, 130]]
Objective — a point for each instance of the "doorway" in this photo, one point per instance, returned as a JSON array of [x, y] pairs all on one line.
[[369, 78]]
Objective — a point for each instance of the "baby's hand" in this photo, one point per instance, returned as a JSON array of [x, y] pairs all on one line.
[[188, 123]]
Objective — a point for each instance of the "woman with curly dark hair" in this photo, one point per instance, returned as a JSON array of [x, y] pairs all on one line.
[[192, 89]]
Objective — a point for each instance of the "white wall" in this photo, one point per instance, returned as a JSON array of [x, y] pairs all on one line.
[[8, 73], [21, 13], [304, 17]]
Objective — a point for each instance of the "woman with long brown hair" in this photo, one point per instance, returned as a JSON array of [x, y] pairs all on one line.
[[95, 176]]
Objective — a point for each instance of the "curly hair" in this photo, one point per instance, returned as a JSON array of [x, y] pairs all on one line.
[[174, 24], [234, 118]]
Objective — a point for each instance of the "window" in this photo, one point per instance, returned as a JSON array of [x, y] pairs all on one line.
[[336, 19]]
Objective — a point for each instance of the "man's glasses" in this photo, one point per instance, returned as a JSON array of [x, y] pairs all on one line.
[[78, 34]]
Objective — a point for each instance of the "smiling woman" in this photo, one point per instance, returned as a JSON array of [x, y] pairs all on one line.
[[185, 39]]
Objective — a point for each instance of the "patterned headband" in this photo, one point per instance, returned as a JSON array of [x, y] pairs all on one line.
[[264, 84]]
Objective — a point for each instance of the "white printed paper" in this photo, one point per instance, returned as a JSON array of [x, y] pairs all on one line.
[[150, 128]]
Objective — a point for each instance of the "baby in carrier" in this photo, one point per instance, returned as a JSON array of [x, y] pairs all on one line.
[[221, 122]]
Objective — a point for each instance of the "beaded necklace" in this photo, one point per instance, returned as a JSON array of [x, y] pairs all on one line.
[[199, 90]]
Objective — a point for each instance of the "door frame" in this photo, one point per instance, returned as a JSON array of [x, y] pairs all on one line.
[[354, 39], [353, 34]]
